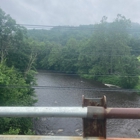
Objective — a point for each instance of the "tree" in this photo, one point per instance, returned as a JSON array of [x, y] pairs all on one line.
[[15, 52], [7, 29], [69, 56], [108, 53], [12, 93]]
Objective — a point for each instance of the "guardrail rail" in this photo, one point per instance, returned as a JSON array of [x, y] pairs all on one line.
[[94, 113]]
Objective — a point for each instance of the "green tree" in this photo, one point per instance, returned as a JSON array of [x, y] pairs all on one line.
[[12, 93], [7, 29], [15, 51], [69, 56], [108, 53]]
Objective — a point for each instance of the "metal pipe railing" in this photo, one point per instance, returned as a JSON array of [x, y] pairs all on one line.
[[122, 113], [93, 112], [77, 112]]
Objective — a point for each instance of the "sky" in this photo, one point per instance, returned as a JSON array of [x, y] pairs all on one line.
[[69, 12]]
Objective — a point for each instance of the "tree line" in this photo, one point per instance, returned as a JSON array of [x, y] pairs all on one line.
[[107, 52]]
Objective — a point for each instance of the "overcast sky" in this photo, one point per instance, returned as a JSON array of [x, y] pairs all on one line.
[[69, 12]]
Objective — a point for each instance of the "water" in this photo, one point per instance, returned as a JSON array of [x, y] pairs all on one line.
[[73, 97]]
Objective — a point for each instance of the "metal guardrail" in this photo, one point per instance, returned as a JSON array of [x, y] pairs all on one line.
[[93, 112]]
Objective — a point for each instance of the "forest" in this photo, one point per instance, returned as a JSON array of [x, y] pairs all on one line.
[[105, 52], [108, 52]]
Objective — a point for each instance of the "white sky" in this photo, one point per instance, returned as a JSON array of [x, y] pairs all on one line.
[[69, 12]]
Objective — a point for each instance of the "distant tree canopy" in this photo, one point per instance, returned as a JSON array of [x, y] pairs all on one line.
[[106, 52]]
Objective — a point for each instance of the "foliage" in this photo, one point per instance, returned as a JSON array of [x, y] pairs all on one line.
[[17, 96], [15, 126], [108, 49], [16, 51]]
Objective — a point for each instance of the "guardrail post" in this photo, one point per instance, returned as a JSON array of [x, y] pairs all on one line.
[[94, 127]]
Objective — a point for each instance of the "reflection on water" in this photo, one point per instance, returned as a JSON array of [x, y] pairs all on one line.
[[73, 97]]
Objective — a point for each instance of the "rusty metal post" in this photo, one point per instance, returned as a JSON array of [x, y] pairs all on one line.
[[94, 127]]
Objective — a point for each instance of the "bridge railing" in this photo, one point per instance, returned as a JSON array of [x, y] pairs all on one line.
[[94, 113]]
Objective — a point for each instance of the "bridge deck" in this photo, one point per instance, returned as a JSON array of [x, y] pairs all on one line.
[[20, 137]]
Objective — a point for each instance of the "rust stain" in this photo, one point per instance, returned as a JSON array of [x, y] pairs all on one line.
[[94, 127]]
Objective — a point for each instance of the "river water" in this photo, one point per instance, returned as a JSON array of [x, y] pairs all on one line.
[[73, 97]]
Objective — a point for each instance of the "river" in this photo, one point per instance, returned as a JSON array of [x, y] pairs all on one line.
[[73, 97]]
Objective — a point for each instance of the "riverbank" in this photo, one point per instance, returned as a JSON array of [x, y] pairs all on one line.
[[112, 81]]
